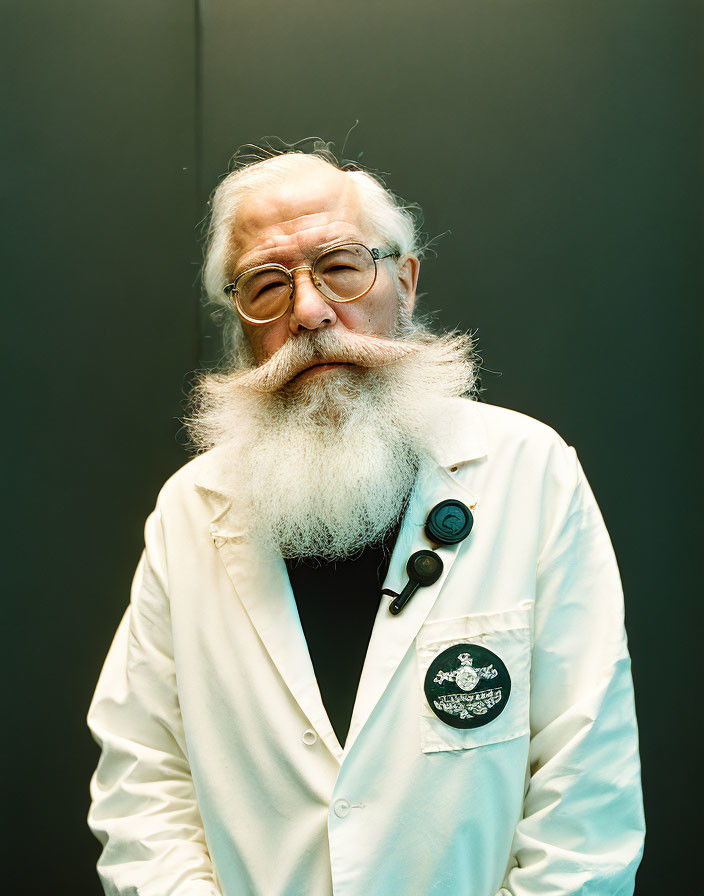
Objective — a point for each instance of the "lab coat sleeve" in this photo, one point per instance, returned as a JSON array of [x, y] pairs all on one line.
[[582, 828], [143, 803]]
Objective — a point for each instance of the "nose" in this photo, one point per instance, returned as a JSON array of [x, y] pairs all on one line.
[[310, 310]]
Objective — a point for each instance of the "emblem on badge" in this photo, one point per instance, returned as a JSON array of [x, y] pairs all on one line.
[[467, 686]]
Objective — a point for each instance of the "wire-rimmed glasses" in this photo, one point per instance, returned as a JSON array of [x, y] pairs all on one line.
[[341, 273]]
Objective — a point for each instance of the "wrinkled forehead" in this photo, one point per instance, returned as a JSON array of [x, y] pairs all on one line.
[[295, 215]]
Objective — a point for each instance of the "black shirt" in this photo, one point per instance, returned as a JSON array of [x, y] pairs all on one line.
[[337, 604]]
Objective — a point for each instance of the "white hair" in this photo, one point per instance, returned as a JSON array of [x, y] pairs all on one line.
[[392, 221]]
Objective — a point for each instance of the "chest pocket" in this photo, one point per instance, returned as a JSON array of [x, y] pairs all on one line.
[[474, 674]]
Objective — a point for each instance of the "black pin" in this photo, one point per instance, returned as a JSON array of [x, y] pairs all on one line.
[[423, 568], [449, 522]]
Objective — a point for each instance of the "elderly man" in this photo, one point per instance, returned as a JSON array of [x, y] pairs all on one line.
[[375, 643]]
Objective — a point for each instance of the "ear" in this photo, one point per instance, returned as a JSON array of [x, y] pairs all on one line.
[[407, 271]]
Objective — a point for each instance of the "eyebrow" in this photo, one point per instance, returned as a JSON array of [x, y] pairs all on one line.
[[265, 257]]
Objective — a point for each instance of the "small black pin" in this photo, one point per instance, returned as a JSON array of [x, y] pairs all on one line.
[[423, 568]]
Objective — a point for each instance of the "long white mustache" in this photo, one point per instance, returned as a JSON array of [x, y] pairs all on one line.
[[296, 355]]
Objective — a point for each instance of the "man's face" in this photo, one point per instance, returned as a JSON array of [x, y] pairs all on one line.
[[288, 224]]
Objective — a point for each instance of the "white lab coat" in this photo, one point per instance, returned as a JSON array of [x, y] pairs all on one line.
[[221, 774]]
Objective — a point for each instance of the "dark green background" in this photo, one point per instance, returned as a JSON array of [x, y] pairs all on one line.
[[560, 143]]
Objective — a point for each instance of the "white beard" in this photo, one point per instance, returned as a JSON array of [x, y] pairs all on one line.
[[326, 467]]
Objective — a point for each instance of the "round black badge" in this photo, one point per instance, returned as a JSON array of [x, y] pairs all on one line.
[[449, 522], [467, 686]]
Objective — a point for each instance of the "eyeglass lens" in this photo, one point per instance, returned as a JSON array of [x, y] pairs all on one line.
[[341, 274]]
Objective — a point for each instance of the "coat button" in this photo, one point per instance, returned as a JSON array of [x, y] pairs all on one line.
[[342, 808], [309, 736]]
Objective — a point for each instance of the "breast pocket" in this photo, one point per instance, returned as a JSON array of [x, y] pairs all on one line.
[[474, 674]]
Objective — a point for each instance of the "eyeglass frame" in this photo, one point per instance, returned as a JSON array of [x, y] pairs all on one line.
[[231, 288]]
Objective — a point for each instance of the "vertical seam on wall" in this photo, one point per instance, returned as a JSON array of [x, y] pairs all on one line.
[[198, 156]]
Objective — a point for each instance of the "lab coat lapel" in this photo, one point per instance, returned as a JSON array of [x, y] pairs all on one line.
[[393, 635], [260, 578]]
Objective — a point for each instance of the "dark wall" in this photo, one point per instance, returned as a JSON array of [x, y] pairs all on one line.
[[556, 143]]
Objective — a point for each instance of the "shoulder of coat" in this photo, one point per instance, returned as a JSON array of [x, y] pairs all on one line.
[[507, 422], [183, 483], [511, 434]]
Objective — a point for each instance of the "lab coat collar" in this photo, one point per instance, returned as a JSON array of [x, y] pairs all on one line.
[[260, 578]]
